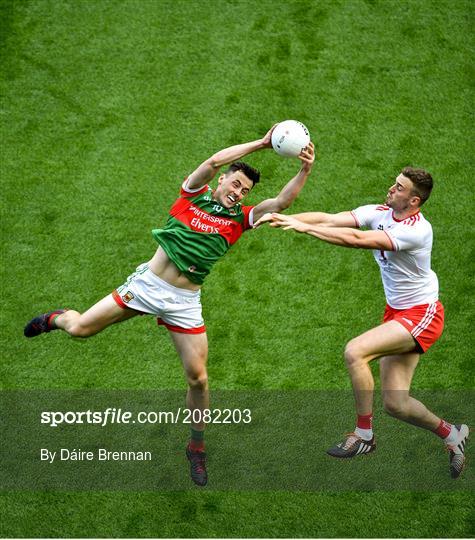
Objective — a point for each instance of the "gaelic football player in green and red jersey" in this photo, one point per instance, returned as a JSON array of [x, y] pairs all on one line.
[[203, 224]]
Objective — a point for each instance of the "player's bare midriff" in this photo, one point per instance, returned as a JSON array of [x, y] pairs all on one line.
[[165, 269]]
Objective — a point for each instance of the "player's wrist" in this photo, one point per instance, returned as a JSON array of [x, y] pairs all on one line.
[[306, 168], [262, 144]]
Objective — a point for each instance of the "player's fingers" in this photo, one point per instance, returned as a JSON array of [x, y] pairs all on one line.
[[308, 157], [264, 219]]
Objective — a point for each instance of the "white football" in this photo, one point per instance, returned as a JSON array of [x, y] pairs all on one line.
[[289, 138]]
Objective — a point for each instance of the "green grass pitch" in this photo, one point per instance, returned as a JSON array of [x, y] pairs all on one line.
[[107, 105]]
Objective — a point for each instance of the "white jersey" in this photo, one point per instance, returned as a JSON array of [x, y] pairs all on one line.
[[407, 277]]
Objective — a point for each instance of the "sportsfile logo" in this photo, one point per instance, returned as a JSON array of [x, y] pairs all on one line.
[[114, 415], [102, 418]]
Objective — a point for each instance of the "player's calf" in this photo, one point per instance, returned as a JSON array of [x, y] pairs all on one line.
[[396, 403], [74, 326]]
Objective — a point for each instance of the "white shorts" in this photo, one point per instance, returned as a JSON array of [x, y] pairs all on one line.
[[178, 309]]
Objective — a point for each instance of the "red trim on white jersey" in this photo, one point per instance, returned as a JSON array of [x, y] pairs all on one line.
[[409, 220], [393, 245], [405, 266], [412, 220], [357, 223]]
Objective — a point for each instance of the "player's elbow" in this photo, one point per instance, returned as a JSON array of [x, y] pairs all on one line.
[[282, 203], [213, 162]]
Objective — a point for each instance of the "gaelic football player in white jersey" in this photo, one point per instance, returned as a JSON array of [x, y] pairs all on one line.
[[401, 240], [203, 224]]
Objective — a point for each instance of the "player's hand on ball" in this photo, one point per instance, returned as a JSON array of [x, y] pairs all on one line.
[[307, 156], [267, 139]]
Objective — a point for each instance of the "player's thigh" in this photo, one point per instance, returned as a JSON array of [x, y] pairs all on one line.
[[104, 313], [383, 340], [192, 350], [396, 371]]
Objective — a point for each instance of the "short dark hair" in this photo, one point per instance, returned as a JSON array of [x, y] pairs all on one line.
[[253, 174], [421, 180]]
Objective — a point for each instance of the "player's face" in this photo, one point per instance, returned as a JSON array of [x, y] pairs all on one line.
[[400, 196], [232, 188]]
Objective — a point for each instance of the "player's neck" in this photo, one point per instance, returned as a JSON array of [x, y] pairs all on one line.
[[401, 215]]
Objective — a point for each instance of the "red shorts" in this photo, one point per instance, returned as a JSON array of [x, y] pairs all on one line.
[[425, 322]]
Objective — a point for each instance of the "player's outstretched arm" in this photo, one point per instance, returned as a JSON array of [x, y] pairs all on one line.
[[208, 169], [340, 236], [342, 219], [291, 190]]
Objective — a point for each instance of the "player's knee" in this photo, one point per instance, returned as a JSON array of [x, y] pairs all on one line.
[[79, 330], [353, 354], [198, 380]]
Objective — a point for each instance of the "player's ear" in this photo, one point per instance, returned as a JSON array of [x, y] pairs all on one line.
[[221, 178], [416, 200]]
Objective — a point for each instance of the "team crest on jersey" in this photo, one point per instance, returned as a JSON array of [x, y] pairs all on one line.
[[232, 212], [192, 268], [127, 297]]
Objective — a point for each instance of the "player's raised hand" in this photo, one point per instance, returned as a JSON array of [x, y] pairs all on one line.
[[267, 139], [307, 156]]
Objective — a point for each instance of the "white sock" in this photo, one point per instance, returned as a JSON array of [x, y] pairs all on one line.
[[452, 437], [365, 434]]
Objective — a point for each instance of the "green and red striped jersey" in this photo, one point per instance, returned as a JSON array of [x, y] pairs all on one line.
[[199, 231]]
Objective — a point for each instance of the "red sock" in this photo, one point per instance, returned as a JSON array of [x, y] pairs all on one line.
[[365, 421], [54, 316], [196, 446], [443, 429]]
